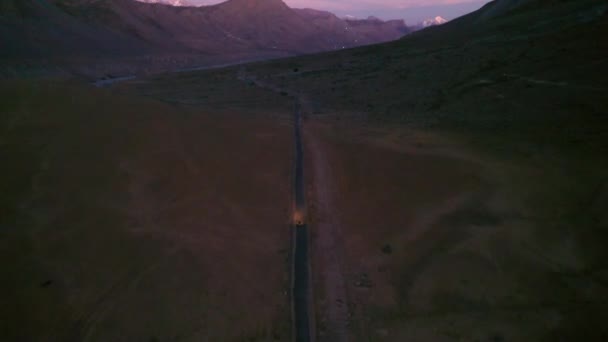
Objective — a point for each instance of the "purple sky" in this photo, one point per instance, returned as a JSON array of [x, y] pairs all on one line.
[[412, 11]]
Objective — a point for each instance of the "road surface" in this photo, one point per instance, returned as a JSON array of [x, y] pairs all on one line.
[[301, 274]]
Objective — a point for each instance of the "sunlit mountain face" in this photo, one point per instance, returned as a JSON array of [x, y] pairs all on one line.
[[434, 21]]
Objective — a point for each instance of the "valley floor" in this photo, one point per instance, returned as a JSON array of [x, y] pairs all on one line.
[[457, 209], [432, 240], [126, 219]]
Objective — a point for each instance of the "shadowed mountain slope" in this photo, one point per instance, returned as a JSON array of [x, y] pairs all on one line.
[[547, 45], [231, 31]]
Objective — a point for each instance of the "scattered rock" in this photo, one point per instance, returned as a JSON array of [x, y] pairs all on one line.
[[382, 332], [363, 281], [387, 249], [496, 337]]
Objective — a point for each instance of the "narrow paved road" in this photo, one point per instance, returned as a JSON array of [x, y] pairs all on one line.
[[301, 274], [303, 330], [301, 286]]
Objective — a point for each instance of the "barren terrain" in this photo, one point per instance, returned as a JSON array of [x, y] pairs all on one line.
[[437, 241], [133, 220], [456, 190]]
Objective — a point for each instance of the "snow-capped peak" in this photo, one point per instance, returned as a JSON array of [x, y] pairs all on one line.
[[434, 21], [183, 3]]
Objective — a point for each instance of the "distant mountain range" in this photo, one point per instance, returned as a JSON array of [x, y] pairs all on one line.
[[136, 35]]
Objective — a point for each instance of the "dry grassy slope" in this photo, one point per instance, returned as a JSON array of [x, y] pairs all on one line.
[[470, 74], [125, 219]]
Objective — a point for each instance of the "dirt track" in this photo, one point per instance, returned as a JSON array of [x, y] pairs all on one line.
[[332, 301]]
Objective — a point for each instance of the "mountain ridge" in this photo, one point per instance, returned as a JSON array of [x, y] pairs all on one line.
[[235, 30]]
